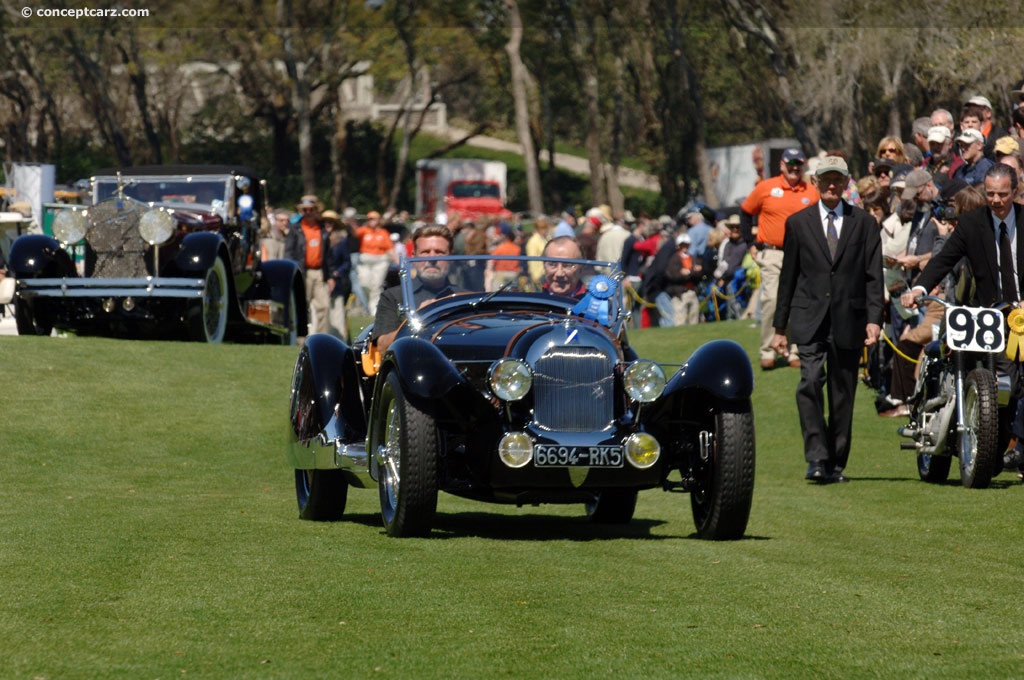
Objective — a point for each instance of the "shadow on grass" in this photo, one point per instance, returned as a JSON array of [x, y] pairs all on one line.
[[496, 526]]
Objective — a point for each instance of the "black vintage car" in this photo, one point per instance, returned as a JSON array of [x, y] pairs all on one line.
[[524, 397], [163, 252]]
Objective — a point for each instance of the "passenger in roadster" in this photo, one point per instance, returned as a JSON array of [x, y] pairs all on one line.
[[431, 283], [563, 278]]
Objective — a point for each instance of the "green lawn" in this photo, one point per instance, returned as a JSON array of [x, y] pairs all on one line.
[[149, 530]]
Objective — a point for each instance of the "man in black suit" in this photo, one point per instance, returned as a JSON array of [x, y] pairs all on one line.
[[830, 296], [977, 237]]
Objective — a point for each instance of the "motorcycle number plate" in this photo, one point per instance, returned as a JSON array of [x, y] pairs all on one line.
[[975, 329]]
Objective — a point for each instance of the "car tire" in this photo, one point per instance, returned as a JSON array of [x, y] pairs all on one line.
[[721, 502], [321, 494], [208, 317], [408, 467], [32, 318], [612, 507], [978, 444], [933, 469]]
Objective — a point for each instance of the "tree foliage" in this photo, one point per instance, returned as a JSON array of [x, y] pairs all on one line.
[[649, 82]]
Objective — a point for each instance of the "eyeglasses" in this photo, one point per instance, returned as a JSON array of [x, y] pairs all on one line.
[[794, 164], [883, 172], [892, 150], [567, 267]]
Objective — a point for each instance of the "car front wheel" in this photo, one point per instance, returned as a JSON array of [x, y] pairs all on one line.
[[725, 488], [208, 317], [408, 464]]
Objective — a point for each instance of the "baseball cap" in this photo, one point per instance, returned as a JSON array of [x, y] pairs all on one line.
[[970, 135], [832, 164], [1006, 146], [915, 180], [939, 133], [883, 163], [793, 154], [309, 201], [980, 101], [683, 238]]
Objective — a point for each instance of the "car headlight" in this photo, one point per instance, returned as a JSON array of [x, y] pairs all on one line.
[[69, 226], [642, 450], [515, 449], [156, 226], [510, 379], [644, 380]]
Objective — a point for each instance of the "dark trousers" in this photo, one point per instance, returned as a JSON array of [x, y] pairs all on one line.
[[827, 370]]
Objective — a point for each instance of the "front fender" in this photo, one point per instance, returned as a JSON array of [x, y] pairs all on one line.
[[40, 255], [425, 371], [198, 251], [720, 367]]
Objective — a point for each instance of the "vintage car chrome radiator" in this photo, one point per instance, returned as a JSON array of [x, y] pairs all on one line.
[[574, 389]]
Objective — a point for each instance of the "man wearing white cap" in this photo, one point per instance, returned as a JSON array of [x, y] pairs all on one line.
[[972, 150], [940, 144], [831, 298]]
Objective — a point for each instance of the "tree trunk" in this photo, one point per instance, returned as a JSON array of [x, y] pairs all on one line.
[[300, 97], [137, 75], [519, 96]]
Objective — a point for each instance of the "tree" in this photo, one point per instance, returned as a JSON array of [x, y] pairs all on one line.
[[522, 106]]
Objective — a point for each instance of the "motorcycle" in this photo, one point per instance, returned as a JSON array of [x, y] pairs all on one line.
[[954, 410]]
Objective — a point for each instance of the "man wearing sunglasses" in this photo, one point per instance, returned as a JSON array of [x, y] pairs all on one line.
[[773, 201]]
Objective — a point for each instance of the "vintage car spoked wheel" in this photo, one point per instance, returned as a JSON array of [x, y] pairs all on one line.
[[979, 441], [725, 486], [934, 469], [408, 464], [208, 318], [615, 506], [321, 494]]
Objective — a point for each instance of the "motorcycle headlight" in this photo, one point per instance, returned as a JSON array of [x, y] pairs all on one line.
[[510, 379], [156, 226], [644, 380], [69, 226]]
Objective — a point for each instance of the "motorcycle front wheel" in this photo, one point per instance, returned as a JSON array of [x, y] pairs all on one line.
[[978, 438]]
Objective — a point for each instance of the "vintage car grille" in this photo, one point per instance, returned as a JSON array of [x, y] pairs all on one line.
[[114, 236], [573, 389]]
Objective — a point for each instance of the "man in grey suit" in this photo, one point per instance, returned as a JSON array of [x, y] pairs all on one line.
[[830, 296]]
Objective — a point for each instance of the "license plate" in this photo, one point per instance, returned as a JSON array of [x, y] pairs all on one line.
[[552, 455]]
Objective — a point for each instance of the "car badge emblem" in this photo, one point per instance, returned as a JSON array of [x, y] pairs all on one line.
[[572, 335]]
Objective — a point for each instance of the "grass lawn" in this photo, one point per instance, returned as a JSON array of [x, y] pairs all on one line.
[[149, 530]]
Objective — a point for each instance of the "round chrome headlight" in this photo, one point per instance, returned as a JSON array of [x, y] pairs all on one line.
[[156, 226], [644, 380], [69, 226], [510, 379], [515, 449], [642, 450]]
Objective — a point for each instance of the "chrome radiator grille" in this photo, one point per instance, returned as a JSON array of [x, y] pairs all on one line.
[[573, 389], [114, 236]]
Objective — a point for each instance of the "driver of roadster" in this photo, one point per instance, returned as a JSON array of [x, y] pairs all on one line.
[[431, 283]]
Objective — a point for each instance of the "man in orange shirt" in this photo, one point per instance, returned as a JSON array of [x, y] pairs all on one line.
[[773, 201], [376, 250], [307, 244]]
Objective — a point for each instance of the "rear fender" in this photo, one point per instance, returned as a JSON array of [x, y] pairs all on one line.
[[40, 255], [283, 278]]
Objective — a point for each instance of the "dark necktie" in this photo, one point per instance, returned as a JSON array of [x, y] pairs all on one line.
[[831, 235], [1006, 265]]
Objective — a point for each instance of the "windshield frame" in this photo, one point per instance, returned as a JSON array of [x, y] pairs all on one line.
[[416, 320]]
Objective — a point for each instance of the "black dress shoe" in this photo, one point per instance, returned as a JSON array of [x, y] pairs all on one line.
[[816, 473], [837, 476]]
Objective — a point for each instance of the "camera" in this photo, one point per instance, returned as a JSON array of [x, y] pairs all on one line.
[[945, 213]]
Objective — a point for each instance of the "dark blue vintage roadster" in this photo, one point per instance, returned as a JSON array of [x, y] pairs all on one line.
[[515, 395]]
